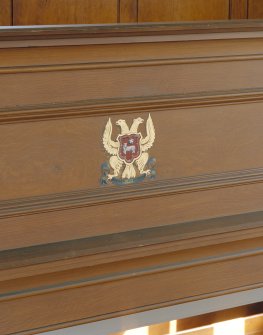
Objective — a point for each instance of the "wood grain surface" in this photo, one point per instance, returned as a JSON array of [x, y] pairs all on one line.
[[128, 11], [147, 280], [193, 232], [239, 9], [39, 12], [255, 9], [187, 10], [6, 13], [68, 145]]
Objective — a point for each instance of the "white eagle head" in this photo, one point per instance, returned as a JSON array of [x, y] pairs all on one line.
[[123, 125], [120, 123], [138, 120], [135, 125]]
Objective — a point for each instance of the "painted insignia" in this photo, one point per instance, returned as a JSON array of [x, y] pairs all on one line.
[[129, 161]]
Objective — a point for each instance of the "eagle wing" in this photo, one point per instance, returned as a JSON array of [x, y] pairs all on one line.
[[147, 142], [110, 146]]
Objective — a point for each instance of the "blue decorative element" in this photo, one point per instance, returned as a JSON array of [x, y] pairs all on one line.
[[105, 170], [118, 181]]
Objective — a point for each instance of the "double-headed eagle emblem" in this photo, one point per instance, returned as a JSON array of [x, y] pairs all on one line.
[[129, 161]]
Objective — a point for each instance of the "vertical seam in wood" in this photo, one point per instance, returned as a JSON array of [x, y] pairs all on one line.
[[12, 12], [137, 11], [247, 13], [230, 10], [118, 11]]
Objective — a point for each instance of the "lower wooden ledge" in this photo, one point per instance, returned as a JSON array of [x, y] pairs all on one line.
[[74, 282], [166, 314]]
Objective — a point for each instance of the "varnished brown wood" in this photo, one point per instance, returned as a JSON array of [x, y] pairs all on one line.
[[239, 9], [188, 10], [71, 200], [176, 209], [68, 11], [255, 9], [128, 11], [194, 232], [40, 12], [152, 285], [5, 12], [155, 240], [123, 33], [50, 81]]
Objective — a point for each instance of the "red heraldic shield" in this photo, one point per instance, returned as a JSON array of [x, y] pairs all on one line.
[[130, 147]]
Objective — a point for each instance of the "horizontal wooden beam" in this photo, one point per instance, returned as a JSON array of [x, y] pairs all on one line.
[[124, 32], [165, 314]]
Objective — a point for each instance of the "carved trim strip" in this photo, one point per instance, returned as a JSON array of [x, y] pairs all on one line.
[[128, 245], [110, 34], [161, 28], [131, 38], [126, 64], [42, 263], [132, 105], [126, 275], [173, 303], [226, 299], [103, 195]]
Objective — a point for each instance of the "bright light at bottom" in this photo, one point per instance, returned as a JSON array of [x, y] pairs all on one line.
[[172, 327], [137, 331], [232, 327]]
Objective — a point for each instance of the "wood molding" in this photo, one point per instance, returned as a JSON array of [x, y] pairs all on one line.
[[23, 262], [43, 275], [146, 271], [175, 275], [104, 195], [74, 252], [146, 29], [103, 107], [121, 33], [126, 64], [161, 315]]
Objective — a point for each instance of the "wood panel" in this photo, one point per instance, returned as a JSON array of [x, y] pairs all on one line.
[[255, 9], [238, 9], [62, 89], [128, 11], [5, 12], [119, 250], [64, 168], [187, 10], [67, 86], [69, 12], [61, 108], [162, 281], [37, 12]]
